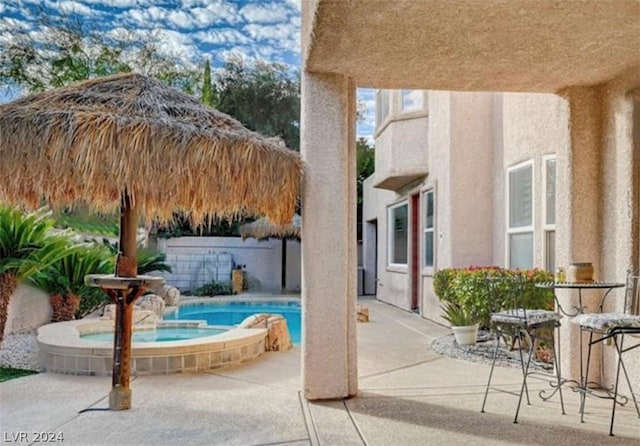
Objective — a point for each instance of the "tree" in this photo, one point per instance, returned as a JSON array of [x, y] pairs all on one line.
[[26, 247], [68, 49], [365, 166], [264, 96], [208, 96]]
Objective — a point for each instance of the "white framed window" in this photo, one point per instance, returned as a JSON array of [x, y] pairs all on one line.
[[382, 107], [429, 239], [411, 100], [398, 246], [520, 215], [549, 211]]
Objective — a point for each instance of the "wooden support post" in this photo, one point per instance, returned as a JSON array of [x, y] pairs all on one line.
[[126, 266]]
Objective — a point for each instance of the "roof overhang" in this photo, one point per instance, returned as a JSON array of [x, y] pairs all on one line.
[[397, 180], [471, 45]]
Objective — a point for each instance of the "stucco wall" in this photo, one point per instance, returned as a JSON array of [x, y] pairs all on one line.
[[533, 125], [29, 308], [621, 198], [470, 179], [262, 259]]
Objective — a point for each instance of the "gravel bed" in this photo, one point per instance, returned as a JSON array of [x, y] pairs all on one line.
[[20, 351], [482, 352]]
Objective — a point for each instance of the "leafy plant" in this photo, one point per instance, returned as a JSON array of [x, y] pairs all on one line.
[[212, 289], [483, 290], [64, 280], [26, 246], [458, 316]]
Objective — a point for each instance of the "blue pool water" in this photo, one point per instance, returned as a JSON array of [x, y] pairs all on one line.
[[232, 313], [163, 334]]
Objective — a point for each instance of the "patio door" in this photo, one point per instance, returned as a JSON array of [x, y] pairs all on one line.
[[414, 250]]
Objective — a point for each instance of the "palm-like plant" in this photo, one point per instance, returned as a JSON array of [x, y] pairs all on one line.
[[64, 280], [26, 246]]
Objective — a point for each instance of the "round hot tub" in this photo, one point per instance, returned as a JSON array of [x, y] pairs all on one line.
[[85, 347]]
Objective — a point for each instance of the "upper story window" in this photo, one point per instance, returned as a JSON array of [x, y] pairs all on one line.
[[412, 100], [382, 107], [398, 249], [520, 216]]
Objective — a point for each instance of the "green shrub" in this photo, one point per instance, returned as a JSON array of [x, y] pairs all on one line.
[[483, 290], [212, 289]]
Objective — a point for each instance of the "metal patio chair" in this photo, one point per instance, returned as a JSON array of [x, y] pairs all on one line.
[[512, 318], [612, 327]]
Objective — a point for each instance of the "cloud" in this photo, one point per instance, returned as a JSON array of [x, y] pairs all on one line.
[[265, 13], [222, 36], [284, 35], [71, 6]]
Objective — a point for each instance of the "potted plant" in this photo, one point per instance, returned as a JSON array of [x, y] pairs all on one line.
[[463, 323]]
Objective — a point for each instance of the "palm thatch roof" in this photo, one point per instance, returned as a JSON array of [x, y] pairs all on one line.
[[94, 140], [263, 229]]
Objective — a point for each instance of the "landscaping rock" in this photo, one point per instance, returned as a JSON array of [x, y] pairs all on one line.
[[363, 313], [152, 302], [170, 294], [278, 337]]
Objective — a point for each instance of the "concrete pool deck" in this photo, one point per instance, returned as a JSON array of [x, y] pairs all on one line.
[[409, 395]]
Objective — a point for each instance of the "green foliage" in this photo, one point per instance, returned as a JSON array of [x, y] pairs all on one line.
[[66, 276], [181, 226], [481, 291], [365, 166], [458, 316], [82, 220], [26, 243], [264, 96], [150, 260], [207, 97], [211, 289], [71, 49], [7, 373]]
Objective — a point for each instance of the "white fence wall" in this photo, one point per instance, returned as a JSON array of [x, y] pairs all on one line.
[[199, 260]]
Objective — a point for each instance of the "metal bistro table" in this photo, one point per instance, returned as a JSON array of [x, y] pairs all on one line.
[[606, 287]]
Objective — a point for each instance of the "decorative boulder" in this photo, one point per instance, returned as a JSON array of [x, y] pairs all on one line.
[[278, 337], [152, 302], [170, 294], [140, 316]]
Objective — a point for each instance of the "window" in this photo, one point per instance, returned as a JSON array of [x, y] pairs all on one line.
[[549, 164], [399, 234], [412, 100], [429, 224], [382, 107], [520, 216]]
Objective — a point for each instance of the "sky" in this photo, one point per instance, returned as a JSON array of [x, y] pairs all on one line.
[[193, 29]]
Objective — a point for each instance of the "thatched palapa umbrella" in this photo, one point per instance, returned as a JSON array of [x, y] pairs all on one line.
[[263, 229], [130, 140]]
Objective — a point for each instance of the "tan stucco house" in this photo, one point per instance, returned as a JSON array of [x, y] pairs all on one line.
[[585, 59]]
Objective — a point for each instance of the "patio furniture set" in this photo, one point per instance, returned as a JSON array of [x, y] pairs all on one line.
[[535, 325]]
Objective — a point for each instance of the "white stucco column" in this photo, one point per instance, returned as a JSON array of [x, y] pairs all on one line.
[[579, 214], [329, 263]]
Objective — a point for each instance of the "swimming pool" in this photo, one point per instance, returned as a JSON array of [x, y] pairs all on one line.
[[162, 334], [234, 312]]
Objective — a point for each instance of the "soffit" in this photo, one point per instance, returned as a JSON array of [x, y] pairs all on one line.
[[471, 45]]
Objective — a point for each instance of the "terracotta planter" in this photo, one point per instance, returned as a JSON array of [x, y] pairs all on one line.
[[580, 272], [466, 335]]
